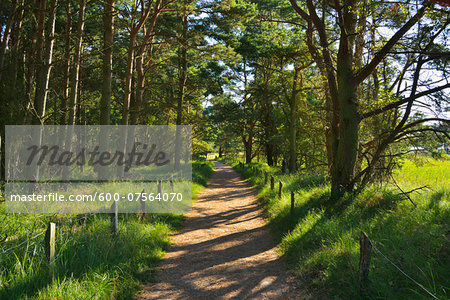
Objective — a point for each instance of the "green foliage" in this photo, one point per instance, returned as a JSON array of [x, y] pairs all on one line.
[[90, 263], [320, 240]]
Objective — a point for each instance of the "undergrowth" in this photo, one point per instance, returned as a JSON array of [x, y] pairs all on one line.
[[320, 238], [90, 263]]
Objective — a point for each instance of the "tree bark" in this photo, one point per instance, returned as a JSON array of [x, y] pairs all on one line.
[[182, 73], [347, 151], [293, 114], [66, 71], [248, 145], [108, 36], [147, 41], [269, 154], [74, 83], [43, 75], [6, 36], [73, 101]]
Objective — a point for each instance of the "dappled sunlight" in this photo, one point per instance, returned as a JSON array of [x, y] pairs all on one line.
[[223, 250]]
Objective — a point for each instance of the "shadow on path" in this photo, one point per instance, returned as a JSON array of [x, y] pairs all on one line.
[[224, 250]]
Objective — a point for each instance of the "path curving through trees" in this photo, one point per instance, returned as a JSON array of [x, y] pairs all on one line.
[[224, 250]]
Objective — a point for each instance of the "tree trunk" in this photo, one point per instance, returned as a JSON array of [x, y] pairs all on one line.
[[182, 71], [17, 58], [35, 52], [248, 145], [6, 36], [147, 43], [108, 34], [74, 83], [293, 125], [347, 151], [43, 75], [269, 154], [76, 65], [66, 71]]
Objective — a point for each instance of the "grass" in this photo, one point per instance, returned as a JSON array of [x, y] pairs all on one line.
[[90, 263], [320, 240]]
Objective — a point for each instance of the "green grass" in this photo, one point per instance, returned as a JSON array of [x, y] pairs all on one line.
[[90, 263], [320, 240]]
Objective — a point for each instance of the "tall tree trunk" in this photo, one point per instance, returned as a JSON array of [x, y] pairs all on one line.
[[128, 80], [105, 102], [66, 71], [147, 43], [108, 35], [293, 115], [74, 82], [43, 76], [347, 92], [17, 57], [182, 73], [35, 52], [6, 37]]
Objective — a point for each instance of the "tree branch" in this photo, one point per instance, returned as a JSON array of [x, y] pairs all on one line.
[[368, 69], [403, 101], [300, 11]]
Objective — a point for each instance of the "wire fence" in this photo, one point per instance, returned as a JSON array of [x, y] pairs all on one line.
[[42, 232], [366, 252], [22, 243], [371, 244], [403, 272]]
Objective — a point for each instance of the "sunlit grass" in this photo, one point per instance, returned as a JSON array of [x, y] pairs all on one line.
[[90, 263], [320, 239]]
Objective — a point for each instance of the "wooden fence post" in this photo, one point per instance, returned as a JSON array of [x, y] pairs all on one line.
[[159, 186], [365, 248], [272, 182], [280, 187], [292, 202], [171, 183], [142, 210], [50, 235], [114, 217]]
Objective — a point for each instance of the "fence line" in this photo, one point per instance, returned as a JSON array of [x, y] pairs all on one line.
[[18, 245], [371, 244], [365, 252], [401, 271]]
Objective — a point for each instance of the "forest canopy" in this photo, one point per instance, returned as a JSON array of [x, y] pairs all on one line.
[[344, 87]]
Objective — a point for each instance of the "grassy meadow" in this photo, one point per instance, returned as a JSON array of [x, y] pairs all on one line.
[[320, 240], [89, 263]]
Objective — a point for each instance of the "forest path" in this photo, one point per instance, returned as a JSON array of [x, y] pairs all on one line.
[[223, 250]]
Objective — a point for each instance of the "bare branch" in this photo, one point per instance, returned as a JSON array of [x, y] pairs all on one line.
[[403, 101], [368, 69], [300, 11]]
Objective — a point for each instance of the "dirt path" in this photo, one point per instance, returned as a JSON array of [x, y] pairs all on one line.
[[223, 250]]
